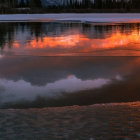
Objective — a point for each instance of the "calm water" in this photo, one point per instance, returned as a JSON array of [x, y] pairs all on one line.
[[64, 39], [61, 64]]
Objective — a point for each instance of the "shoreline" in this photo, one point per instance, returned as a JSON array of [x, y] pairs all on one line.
[[132, 104], [85, 123], [86, 17]]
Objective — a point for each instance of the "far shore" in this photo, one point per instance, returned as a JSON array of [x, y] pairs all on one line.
[[65, 10], [82, 17]]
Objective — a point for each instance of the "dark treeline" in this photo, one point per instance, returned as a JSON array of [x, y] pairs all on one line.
[[19, 3], [44, 5]]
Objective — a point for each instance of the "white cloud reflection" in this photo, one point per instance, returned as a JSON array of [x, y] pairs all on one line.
[[1, 56], [11, 91]]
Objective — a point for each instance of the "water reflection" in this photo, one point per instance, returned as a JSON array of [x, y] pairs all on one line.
[[29, 80], [69, 39], [59, 81], [12, 91]]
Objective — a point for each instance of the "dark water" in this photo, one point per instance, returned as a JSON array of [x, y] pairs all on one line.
[[62, 64], [64, 39], [92, 68], [61, 81]]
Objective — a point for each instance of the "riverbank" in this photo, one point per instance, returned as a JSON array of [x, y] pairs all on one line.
[[86, 17]]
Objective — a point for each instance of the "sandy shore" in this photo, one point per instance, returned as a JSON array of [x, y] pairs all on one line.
[[95, 122], [75, 17]]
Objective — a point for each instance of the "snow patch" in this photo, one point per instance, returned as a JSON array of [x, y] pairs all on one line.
[[73, 17]]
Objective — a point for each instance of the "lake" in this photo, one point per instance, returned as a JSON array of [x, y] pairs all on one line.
[[69, 39], [91, 67]]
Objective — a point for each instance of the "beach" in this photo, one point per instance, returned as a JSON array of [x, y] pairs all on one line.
[[118, 121]]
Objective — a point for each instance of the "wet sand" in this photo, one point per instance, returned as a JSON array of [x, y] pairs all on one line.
[[96, 122]]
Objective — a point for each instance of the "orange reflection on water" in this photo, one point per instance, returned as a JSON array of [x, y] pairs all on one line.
[[80, 43], [62, 41], [16, 45], [117, 40]]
